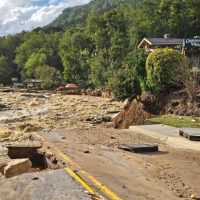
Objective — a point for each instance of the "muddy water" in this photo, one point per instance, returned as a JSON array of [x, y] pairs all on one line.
[[10, 115]]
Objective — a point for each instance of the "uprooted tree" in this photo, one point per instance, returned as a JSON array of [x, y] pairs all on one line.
[[168, 68]]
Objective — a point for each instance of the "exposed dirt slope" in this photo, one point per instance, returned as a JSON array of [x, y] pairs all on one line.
[[137, 111]]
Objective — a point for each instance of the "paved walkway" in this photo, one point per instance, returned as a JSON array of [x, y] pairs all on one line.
[[170, 135]]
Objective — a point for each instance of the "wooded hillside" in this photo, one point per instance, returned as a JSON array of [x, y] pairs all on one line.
[[95, 45]]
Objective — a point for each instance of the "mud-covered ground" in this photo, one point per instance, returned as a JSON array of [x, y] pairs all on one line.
[[73, 123], [23, 113], [168, 174], [47, 111]]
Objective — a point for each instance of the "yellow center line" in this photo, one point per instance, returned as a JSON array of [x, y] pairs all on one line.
[[78, 179], [98, 184]]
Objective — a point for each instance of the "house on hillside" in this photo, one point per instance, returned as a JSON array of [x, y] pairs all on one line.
[[189, 47], [149, 44]]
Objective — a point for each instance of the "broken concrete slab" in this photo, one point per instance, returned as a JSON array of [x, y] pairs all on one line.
[[27, 150], [17, 167], [139, 148], [4, 159], [190, 134], [193, 137], [28, 144]]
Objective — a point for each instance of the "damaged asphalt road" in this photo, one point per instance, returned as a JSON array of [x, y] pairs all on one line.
[[68, 122]]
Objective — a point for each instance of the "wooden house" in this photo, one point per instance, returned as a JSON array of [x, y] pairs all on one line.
[[149, 44], [189, 47]]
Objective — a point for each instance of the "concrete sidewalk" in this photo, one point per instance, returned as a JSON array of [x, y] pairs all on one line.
[[170, 135]]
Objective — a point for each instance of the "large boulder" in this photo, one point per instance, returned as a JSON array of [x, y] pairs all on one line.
[[17, 167]]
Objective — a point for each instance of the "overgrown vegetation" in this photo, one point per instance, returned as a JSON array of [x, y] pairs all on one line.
[[96, 45]]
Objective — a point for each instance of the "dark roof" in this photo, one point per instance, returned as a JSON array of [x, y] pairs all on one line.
[[162, 41]]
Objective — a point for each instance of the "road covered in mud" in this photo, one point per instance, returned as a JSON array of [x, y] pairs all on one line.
[[76, 125]]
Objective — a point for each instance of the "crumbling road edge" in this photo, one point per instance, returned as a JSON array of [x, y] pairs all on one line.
[[105, 191]]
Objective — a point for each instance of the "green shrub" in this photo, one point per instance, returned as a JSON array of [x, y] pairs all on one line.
[[166, 68]]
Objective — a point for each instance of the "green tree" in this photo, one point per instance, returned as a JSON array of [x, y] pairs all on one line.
[[98, 68], [126, 85], [5, 70], [32, 43], [35, 60], [49, 76], [136, 61], [75, 51], [36, 43]]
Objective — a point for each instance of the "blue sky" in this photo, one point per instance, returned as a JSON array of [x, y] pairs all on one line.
[[18, 15]]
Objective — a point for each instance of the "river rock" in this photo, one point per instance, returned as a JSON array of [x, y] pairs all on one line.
[[17, 167], [196, 197], [106, 119]]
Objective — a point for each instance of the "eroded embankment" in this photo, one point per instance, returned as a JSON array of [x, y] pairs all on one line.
[[137, 111]]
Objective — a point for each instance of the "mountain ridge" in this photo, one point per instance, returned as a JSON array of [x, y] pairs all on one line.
[[78, 14]]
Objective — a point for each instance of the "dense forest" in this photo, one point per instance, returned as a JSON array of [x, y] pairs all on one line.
[[95, 45], [75, 15]]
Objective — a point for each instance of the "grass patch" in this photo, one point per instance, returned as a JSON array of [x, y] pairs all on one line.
[[176, 121]]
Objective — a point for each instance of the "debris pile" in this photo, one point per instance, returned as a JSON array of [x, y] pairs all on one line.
[[28, 127], [132, 114]]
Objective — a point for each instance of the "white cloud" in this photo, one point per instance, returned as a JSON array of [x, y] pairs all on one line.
[[18, 15]]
